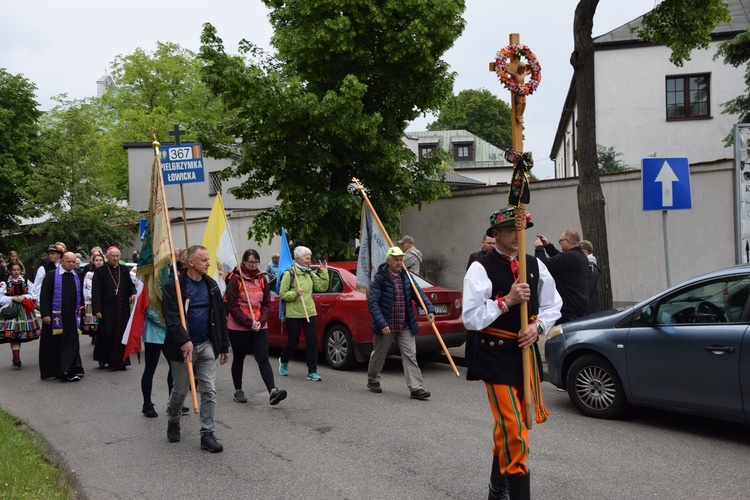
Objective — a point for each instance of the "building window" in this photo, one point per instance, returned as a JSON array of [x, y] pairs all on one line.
[[214, 183], [688, 97], [425, 151], [463, 152]]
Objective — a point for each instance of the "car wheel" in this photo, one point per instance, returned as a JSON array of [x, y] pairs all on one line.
[[595, 389], [339, 348]]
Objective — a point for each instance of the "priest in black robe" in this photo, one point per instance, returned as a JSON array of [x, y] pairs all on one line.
[[112, 291], [61, 304]]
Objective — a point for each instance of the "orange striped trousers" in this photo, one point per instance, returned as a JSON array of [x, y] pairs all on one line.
[[510, 433]]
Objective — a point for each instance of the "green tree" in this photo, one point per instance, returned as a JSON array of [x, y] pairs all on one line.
[[333, 104], [735, 53], [606, 158], [682, 25], [66, 187], [153, 90], [19, 115], [478, 111]]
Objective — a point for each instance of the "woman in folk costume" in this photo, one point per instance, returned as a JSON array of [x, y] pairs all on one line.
[[90, 322], [248, 329], [25, 325]]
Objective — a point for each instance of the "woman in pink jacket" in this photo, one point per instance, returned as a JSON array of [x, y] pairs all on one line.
[[248, 298]]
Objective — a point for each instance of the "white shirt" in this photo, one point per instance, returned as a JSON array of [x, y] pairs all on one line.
[[480, 308], [39, 277]]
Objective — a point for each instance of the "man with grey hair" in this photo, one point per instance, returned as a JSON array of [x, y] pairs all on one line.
[[297, 286], [205, 339], [412, 255], [594, 273]]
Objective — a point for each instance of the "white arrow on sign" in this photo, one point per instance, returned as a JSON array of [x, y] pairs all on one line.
[[666, 177]]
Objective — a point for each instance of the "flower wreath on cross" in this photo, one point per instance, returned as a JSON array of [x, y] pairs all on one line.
[[506, 78]]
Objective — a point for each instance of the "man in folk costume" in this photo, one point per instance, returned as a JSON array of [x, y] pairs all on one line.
[[54, 255], [492, 314], [112, 290], [61, 303]]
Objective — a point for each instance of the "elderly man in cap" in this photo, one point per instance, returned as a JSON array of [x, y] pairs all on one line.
[[494, 340], [54, 256], [412, 256], [393, 320]]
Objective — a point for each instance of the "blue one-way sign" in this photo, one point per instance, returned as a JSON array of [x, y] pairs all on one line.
[[666, 184]]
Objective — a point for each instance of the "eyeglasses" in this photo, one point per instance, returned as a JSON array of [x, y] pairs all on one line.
[[253, 262], [564, 239]]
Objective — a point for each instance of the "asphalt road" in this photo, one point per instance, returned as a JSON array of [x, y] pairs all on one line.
[[336, 440]]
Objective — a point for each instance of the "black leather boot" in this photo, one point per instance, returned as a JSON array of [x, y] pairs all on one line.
[[498, 488], [519, 486]]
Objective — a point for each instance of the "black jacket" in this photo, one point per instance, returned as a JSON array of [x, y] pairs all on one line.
[[571, 272], [176, 334]]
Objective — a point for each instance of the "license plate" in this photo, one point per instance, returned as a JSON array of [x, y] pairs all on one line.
[[439, 309]]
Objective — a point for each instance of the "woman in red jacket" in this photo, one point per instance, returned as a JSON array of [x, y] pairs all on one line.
[[248, 299]]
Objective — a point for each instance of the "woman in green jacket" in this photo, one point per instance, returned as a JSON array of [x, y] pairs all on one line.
[[297, 286]]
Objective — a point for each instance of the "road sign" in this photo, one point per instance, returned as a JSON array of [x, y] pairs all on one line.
[[182, 164], [666, 184], [142, 229]]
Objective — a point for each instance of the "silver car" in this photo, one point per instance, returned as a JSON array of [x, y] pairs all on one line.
[[686, 349]]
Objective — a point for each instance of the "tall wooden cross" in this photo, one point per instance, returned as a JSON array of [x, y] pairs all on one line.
[[518, 72]]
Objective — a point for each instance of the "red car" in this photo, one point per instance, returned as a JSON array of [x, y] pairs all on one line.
[[344, 332]]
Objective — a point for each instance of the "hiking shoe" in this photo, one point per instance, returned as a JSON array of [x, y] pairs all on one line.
[[420, 394], [210, 443], [283, 368], [173, 432], [314, 377], [148, 410], [374, 387], [277, 395], [239, 396]]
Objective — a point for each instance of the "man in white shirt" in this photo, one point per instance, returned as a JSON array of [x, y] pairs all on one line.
[[494, 341]]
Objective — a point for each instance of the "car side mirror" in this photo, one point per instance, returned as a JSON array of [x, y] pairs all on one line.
[[647, 315]]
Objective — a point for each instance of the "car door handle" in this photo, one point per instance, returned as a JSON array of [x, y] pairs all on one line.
[[717, 348]]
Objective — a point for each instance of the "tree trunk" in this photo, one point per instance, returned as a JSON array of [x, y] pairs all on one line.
[[590, 197]]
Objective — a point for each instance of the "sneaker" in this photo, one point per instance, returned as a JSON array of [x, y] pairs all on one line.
[[148, 410], [73, 378], [420, 394], [277, 395], [239, 396], [283, 368], [314, 377], [173, 432], [210, 443], [374, 387]]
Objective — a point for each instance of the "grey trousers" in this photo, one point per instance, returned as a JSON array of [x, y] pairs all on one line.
[[204, 368], [408, 347]]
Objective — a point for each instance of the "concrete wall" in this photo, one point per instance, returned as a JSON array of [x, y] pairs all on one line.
[[701, 239]]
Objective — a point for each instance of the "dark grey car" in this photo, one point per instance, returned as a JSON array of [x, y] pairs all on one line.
[[686, 349]]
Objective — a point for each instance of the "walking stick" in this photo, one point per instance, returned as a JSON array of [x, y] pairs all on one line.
[[361, 189], [304, 307], [178, 291]]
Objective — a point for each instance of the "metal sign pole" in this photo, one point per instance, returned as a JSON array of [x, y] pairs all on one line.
[[665, 229]]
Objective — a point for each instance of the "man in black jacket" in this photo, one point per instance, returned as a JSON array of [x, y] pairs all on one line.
[[488, 244], [205, 339], [570, 268]]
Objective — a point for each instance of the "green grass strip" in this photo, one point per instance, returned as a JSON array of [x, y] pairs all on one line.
[[25, 470]]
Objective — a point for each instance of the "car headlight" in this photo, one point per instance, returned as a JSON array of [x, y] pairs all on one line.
[[555, 331]]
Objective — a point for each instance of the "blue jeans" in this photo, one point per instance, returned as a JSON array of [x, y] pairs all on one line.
[[204, 368]]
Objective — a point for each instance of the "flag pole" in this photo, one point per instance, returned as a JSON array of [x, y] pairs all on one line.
[[236, 258], [361, 190], [180, 306]]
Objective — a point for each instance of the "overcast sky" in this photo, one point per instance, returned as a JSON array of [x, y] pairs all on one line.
[[64, 47]]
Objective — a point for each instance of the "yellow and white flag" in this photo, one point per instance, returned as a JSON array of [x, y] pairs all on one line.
[[218, 240]]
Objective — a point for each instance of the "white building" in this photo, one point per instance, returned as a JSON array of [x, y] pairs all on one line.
[[647, 106]]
